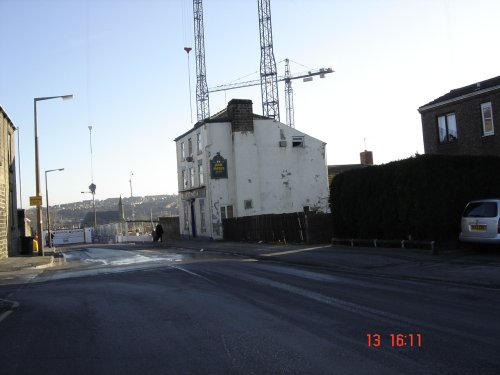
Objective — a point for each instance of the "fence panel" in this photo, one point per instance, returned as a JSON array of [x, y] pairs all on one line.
[[292, 227]]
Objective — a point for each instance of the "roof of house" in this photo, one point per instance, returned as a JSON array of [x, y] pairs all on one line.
[[7, 117], [463, 92], [218, 117]]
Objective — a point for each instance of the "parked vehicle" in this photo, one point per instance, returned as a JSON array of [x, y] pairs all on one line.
[[481, 222]]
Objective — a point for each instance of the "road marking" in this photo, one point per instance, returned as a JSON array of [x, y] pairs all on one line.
[[295, 251], [5, 314], [190, 272]]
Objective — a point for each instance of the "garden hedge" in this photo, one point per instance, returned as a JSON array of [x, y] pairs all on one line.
[[421, 198]]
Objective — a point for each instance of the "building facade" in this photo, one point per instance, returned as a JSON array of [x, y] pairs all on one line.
[[237, 164], [463, 121], [9, 233]]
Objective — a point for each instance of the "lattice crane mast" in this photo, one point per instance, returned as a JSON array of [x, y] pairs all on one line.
[[202, 102], [268, 74]]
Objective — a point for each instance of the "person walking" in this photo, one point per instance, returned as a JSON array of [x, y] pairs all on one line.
[[159, 233]]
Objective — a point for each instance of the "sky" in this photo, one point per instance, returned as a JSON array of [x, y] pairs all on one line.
[[125, 64]]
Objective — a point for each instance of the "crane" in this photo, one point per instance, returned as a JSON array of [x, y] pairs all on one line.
[[202, 103], [268, 75], [287, 78]]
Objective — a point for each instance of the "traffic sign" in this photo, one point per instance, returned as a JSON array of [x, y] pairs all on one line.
[[36, 201]]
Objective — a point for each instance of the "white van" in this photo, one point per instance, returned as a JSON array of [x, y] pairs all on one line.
[[481, 222]]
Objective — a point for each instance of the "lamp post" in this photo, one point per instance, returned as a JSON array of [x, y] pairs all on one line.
[[92, 191], [47, 201], [37, 170]]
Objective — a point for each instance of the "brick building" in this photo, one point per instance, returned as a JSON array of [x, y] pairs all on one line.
[[9, 234], [463, 121]]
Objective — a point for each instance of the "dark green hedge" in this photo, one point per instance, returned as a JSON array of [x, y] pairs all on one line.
[[422, 197]]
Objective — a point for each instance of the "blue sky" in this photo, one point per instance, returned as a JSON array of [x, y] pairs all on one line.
[[124, 62]]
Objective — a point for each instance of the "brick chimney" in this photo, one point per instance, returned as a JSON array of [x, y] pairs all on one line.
[[240, 112], [366, 157]]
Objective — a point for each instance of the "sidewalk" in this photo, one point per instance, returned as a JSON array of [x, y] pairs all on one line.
[[22, 262]]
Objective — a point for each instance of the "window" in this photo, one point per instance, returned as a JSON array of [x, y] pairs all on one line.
[[202, 215], [226, 212], [199, 143], [200, 172], [191, 176], [298, 141], [486, 112], [481, 209], [190, 147], [248, 204], [183, 151], [184, 179], [447, 126]]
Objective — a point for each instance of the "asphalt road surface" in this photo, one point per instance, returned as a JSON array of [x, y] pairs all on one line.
[[175, 312]]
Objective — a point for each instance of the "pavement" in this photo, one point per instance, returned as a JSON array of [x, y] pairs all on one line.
[[24, 262], [470, 267]]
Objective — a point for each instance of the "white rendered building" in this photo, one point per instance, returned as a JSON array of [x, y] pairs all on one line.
[[237, 163]]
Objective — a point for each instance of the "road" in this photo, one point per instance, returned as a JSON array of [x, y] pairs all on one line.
[[122, 311]]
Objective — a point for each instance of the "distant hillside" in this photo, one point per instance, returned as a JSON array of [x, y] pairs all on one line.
[[70, 215]]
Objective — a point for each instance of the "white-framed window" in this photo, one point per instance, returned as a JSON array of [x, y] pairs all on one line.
[[183, 151], [487, 114], [191, 176], [200, 172], [185, 181], [447, 128], [226, 212], [190, 147], [199, 143]]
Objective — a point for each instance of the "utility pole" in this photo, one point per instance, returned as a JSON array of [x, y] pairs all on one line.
[[202, 103], [268, 74]]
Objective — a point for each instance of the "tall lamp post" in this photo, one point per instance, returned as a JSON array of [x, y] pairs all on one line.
[[39, 228], [49, 237], [92, 191]]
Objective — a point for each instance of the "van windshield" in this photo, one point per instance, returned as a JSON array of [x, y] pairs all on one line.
[[481, 209]]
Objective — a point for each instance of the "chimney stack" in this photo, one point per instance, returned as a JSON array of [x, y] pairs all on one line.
[[366, 157], [240, 112]]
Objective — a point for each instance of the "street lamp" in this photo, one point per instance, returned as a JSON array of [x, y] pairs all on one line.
[[92, 191], [47, 201], [37, 170]]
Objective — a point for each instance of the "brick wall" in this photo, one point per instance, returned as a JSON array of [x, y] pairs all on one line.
[[9, 234], [470, 138], [240, 112]]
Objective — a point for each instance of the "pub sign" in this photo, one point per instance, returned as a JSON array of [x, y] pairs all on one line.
[[218, 167]]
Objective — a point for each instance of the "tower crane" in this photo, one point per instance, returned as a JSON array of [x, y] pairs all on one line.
[[202, 103], [268, 75], [287, 78]]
